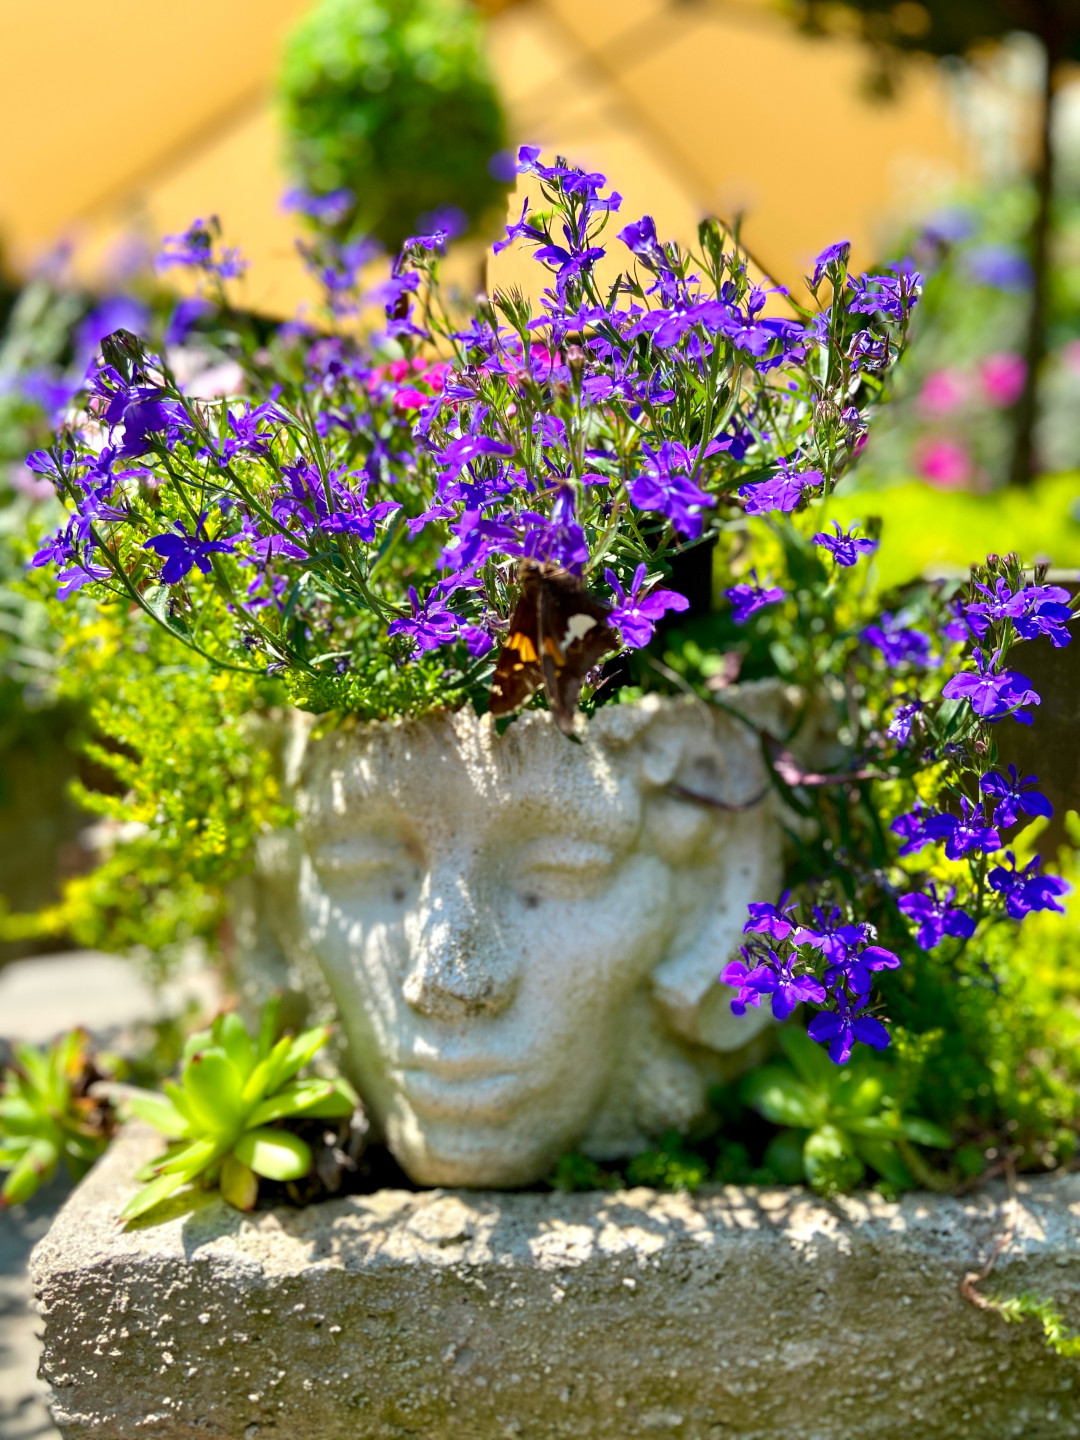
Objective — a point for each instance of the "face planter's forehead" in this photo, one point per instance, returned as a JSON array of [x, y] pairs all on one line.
[[461, 776]]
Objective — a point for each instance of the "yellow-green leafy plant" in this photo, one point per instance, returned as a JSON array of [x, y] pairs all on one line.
[[837, 1121], [225, 1117], [47, 1114]]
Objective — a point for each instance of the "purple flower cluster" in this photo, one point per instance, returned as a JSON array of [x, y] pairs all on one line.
[[847, 547], [750, 596], [195, 249], [992, 691], [827, 962]]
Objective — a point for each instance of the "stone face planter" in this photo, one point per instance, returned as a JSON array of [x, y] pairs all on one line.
[[480, 1316], [521, 933]]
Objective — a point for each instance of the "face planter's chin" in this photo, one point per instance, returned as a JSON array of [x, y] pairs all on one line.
[[487, 917]]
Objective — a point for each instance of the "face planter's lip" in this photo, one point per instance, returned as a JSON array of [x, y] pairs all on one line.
[[454, 1090]]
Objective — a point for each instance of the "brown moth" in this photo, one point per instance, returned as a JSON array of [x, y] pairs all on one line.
[[558, 632]]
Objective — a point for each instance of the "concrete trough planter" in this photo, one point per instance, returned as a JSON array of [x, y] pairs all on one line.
[[476, 1314]]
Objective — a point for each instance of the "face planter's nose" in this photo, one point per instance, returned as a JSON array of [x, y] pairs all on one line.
[[457, 966]]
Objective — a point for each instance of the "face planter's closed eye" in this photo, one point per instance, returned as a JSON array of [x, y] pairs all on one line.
[[372, 867], [559, 868]]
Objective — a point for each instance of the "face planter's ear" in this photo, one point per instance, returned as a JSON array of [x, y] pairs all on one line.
[[713, 818]]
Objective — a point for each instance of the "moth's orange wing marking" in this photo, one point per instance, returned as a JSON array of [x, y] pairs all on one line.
[[524, 646]]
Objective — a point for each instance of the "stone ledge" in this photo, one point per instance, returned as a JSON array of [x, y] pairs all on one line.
[[467, 1315]]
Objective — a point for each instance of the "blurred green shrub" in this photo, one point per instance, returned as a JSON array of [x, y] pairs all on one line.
[[392, 99]]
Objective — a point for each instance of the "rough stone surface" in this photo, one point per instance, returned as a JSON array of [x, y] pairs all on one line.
[[740, 1313], [521, 933]]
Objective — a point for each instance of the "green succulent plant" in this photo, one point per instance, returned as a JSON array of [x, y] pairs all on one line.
[[226, 1113], [47, 1114], [838, 1120]]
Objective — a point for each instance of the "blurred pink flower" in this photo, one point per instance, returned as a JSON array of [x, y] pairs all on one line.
[[945, 463], [1070, 355], [943, 392], [23, 479], [1002, 377]]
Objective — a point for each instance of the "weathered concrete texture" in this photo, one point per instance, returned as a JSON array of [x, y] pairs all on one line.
[[462, 1316]]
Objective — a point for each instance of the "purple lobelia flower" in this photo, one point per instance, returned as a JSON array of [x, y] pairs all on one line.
[[749, 596], [185, 316], [830, 933], [1002, 267], [636, 615], [559, 538], [846, 546], [329, 208], [521, 227], [1027, 889], [966, 834], [776, 978], [667, 488], [194, 250], [842, 1027], [832, 255], [857, 966], [640, 238], [782, 492], [903, 717], [776, 921], [430, 624], [991, 693], [465, 450], [182, 552], [1013, 796], [935, 916], [1033, 609], [898, 643], [911, 828], [79, 574]]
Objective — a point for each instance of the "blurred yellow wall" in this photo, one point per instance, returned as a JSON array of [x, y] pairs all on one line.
[[144, 115]]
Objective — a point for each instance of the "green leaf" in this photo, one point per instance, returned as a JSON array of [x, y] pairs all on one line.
[[859, 1092], [784, 1156], [276, 1068], [213, 1087], [831, 1164], [180, 1100], [882, 1156], [268, 1026], [276, 1154], [151, 1195], [925, 1132], [160, 1112], [776, 1092], [239, 1184], [303, 1048], [34, 1063], [294, 1099], [873, 1127], [811, 1061], [38, 1164], [191, 1159], [232, 1036]]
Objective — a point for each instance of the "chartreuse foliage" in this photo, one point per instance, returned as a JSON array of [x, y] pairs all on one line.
[[838, 1121], [46, 1115], [1030, 1306], [225, 1114], [181, 782]]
